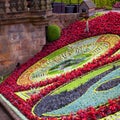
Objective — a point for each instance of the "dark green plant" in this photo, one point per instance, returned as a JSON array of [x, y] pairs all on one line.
[[68, 2], [108, 7], [53, 32], [2, 78]]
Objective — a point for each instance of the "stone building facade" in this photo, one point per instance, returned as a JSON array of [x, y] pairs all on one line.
[[22, 30], [18, 43]]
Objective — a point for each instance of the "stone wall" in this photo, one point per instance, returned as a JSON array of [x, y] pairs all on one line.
[[63, 20], [18, 43]]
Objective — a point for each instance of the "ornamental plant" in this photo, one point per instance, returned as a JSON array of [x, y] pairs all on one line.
[[53, 32], [116, 5]]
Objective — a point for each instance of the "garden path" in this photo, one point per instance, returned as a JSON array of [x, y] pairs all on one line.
[[4, 114]]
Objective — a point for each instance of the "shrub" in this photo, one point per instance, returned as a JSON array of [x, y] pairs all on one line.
[[116, 5], [53, 32], [108, 7]]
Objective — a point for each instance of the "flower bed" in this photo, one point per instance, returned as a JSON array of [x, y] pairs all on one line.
[[68, 58], [112, 117], [108, 23], [89, 97], [78, 98]]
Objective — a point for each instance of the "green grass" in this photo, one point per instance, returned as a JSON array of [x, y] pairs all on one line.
[[97, 14], [54, 69], [2, 78], [67, 1], [57, 52], [54, 72], [98, 3], [77, 82]]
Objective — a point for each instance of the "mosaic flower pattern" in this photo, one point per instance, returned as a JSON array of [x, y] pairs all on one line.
[[66, 67]]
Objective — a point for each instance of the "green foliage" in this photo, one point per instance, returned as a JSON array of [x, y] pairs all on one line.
[[2, 78], [69, 1], [99, 3], [97, 14], [78, 81], [53, 32], [104, 3], [108, 7]]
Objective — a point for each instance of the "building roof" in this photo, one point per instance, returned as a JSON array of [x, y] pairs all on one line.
[[89, 3]]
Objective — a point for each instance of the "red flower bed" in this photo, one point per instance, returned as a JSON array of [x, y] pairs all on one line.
[[108, 23], [93, 114]]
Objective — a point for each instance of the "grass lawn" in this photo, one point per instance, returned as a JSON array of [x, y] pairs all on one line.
[[67, 1]]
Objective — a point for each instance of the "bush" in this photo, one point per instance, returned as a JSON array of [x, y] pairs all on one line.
[[116, 5], [108, 7], [53, 32]]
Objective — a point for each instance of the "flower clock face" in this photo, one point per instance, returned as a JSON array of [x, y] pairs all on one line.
[[68, 58], [80, 80]]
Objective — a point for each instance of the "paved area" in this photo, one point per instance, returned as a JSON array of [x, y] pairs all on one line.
[[4, 114], [106, 11]]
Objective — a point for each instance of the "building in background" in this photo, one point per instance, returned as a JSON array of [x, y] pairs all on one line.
[[87, 7]]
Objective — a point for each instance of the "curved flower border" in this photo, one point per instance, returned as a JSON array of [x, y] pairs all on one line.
[[108, 23]]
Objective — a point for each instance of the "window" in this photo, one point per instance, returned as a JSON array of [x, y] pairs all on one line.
[[83, 10]]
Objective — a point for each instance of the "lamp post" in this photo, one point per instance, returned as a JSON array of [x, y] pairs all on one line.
[[78, 6], [86, 17]]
